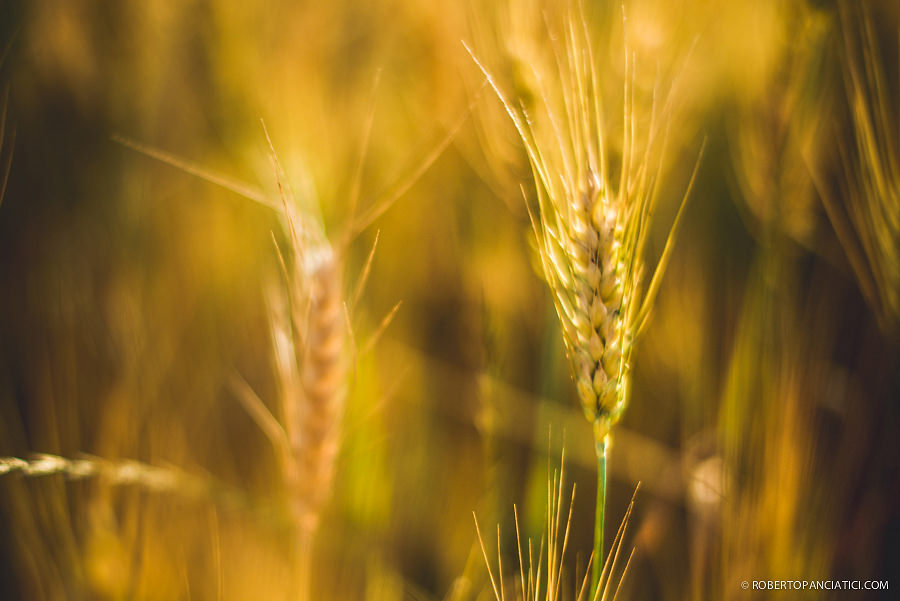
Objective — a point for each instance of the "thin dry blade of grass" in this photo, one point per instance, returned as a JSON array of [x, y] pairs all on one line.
[[531, 584]]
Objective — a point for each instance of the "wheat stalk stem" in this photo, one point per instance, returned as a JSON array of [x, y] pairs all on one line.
[[600, 507]]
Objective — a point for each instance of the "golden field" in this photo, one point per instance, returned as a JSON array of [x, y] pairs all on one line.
[[275, 321]]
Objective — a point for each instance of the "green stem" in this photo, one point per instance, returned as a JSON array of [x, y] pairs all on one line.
[[600, 446]]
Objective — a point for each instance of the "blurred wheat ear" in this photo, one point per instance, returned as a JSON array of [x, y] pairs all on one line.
[[310, 344], [867, 223], [591, 225], [311, 334], [152, 478], [310, 337]]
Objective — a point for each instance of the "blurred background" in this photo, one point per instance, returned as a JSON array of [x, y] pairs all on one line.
[[766, 402]]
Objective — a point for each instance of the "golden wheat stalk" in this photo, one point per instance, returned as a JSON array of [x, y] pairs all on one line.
[[591, 225]]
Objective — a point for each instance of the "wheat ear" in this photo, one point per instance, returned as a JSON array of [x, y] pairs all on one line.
[[310, 339], [311, 333], [868, 221], [591, 225]]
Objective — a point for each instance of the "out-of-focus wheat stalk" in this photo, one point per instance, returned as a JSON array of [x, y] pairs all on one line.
[[772, 487], [867, 222], [153, 478], [593, 217], [5, 139], [311, 336], [4, 176], [310, 348], [309, 332], [777, 135]]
